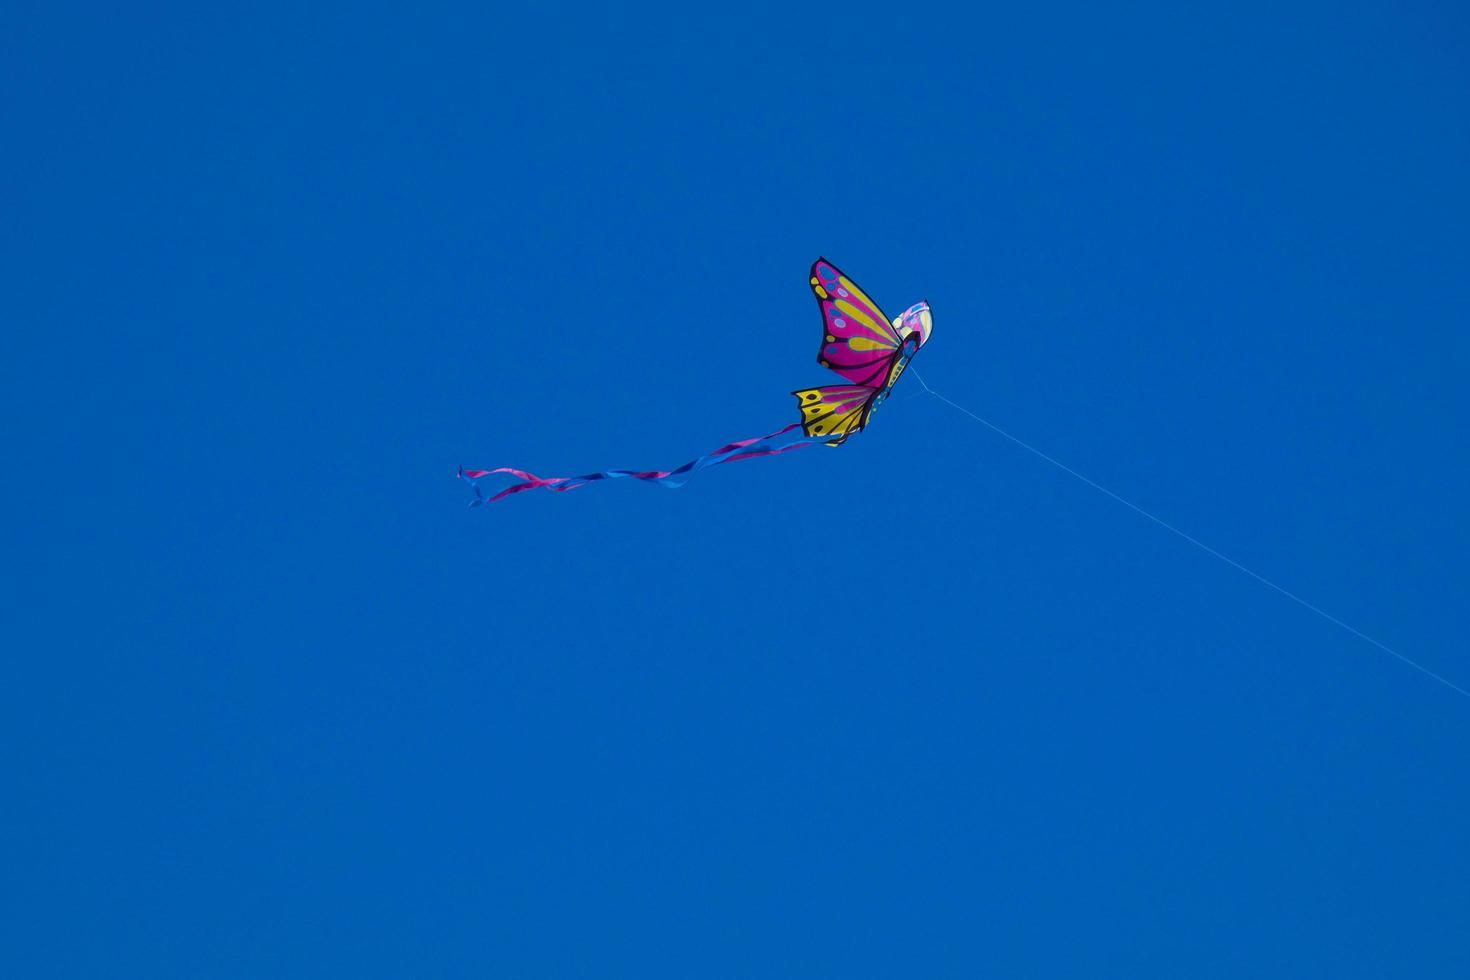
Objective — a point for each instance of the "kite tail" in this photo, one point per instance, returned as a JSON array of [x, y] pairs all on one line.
[[768, 445]]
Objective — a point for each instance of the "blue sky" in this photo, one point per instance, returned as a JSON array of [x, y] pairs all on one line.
[[279, 705]]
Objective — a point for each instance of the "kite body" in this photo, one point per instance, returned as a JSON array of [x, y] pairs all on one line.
[[859, 343]]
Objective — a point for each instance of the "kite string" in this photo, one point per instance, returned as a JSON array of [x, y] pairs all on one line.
[[1192, 540]]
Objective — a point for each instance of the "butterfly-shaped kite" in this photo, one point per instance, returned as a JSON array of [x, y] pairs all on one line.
[[859, 342], [862, 345]]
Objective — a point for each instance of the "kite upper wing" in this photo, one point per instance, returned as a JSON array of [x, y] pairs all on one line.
[[857, 339]]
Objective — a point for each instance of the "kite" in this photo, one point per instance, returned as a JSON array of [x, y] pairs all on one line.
[[859, 343]]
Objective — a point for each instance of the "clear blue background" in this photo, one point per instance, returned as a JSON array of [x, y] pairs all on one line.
[[276, 704]]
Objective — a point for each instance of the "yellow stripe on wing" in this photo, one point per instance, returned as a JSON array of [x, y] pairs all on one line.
[[873, 325], [862, 297]]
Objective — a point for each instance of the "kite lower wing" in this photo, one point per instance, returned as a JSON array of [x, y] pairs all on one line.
[[835, 412], [768, 445]]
